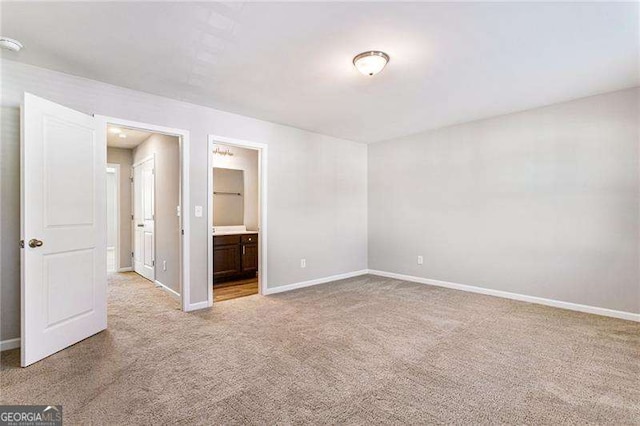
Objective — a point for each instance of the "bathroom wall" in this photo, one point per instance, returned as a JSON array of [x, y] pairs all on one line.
[[228, 197], [247, 161]]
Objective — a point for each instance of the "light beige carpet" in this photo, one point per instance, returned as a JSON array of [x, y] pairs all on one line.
[[359, 351]]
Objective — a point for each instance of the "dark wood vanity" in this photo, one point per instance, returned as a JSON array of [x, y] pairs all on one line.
[[235, 257]]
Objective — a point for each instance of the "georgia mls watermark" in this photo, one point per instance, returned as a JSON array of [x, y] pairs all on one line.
[[30, 415]]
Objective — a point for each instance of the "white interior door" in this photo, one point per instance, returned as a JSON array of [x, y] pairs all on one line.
[[144, 218], [64, 277]]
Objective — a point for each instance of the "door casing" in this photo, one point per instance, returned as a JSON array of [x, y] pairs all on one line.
[[262, 206], [185, 206]]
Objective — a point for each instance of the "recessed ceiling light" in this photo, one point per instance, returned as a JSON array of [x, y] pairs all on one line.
[[371, 62], [122, 135], [115, 130], [10, 44]]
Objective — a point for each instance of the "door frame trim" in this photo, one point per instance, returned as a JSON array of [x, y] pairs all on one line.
[[185, 196], [116, 166], [262, 209]]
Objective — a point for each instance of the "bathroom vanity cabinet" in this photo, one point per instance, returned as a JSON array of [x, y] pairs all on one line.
[[235, 257]]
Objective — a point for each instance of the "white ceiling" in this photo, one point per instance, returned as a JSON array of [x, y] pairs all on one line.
[[133, 137], [290, 63]]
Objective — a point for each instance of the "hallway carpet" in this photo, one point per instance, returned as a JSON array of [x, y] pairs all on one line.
[[359, 351]]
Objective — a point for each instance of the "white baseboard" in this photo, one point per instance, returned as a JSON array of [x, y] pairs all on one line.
[[127, 269], [197, 306], [5, 345], [317, 281], [515, 296], [171, 292]]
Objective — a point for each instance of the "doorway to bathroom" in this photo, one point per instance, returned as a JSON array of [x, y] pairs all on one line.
[[236, 218]]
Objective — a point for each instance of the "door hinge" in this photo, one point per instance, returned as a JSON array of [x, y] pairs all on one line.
[[131, 179], [153, 263], [182, 230], [21, 243], [131, 254]]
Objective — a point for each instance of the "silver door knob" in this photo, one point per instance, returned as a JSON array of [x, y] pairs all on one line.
[[33, 243]]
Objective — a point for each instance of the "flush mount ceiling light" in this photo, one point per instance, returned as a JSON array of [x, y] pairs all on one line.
[[371, 62], [115, 130], [122, 135], [10, 44]]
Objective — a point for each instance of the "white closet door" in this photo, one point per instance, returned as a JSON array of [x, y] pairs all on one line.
[[144, 218]]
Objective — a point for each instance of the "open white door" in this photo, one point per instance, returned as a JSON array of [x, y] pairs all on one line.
[[64, 277], [144, 218]]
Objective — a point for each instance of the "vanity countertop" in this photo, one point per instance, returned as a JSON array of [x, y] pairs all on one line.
[[217, 234]]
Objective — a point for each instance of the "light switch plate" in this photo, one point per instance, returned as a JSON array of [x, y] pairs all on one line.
[[198, 211], [303, 263], [420, 260]]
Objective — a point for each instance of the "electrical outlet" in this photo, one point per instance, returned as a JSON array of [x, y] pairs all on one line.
[[198, 211], [164, 265], [420, 260], [303, 263]]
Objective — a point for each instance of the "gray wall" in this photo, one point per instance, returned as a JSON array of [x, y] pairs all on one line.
[[542, 203], [166, 151], [317, 196], [228, 197], [124, 157], [9, 223], [246, 160]]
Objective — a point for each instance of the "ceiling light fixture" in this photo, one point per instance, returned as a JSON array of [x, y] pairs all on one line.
[[371, 62], [10, 44], [115, 130], [122, 135]]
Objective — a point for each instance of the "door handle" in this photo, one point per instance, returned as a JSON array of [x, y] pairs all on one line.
[[141, 225], [33, 243]]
